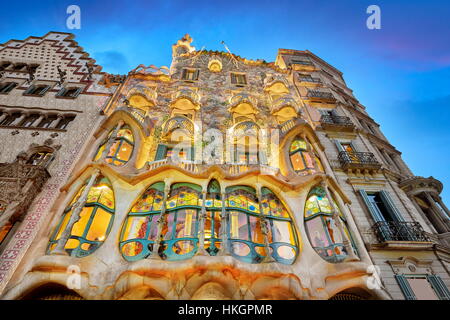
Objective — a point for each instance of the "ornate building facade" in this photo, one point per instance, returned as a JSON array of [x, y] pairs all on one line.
[[219, 178]]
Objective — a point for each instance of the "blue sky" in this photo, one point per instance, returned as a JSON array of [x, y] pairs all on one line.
[[401, 73]]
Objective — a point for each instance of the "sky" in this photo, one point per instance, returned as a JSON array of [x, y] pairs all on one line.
[[400, 72]]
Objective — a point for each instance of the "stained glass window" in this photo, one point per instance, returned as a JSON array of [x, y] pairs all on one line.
[[303, 161], [140, 228], [246, 230], [181, 231], [121, 149], [95, 221], [213, 205], [323, 233]]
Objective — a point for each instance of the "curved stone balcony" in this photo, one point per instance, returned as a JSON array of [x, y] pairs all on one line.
[[273, 79], [231, 170], [414, 185], [148, 93], [139, 115], [242, 98], [284, 101], [179, 122], [188, 94]]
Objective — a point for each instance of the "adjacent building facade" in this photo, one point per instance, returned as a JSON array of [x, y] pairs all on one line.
[[219, 178]]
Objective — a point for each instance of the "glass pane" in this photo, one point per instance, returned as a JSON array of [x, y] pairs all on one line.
[[282, 232], [240, 249], [136, 228], [183, 247], [132, 249], [298, 144], [186, 222], [63, 224], [333, 231], [255, 227], [286, 252], [317, 233], [167, 229], [297, 162], [422, 289], [309, 161], [79, 227], [311, 207], [239, 225], [99, 226], [126, 133], [125, 151]]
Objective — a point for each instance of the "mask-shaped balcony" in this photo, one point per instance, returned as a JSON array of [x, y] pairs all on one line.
[[276, 83], [179, 123], [337, 123], [285, 101], [142, 97], [185, 99]]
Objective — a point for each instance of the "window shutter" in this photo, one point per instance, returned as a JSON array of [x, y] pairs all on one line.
[[373, 211], [439, 287], [233, 78], [45, 90], [61, 92], [338, 145], [406, 288], [161, 152], [196, 73], [77, 92], [390, 206], [192, 151], [30, 88]]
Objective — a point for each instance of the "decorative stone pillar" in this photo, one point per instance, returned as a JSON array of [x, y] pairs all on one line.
[[161, 222], [264, 225], [111, 140], [351, 256], [224, 221], [438, 210], [444, 207], [201, 227], [3, 116], [58, 121], [75, 216], [17, 121]]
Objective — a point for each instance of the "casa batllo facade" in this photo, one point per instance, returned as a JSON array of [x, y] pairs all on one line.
[[219, 178]]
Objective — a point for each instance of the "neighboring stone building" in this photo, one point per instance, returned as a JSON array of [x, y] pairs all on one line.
[[219, 178]]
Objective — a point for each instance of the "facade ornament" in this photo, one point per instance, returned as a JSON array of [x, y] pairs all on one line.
[[62, 76], [75, 216]]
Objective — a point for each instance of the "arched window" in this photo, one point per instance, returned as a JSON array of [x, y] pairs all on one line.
[[282, 237], [141, 228], [303, 160], [213, 205], [121, 149], [245, 233], [246, 230], [181, 230], [324, 235], [95, 222]]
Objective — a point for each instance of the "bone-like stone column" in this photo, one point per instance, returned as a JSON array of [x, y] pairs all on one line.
[[75, 216], [351, 256], [111, 140], [264, 225], [224, 221], [161, 222], [201, 227]]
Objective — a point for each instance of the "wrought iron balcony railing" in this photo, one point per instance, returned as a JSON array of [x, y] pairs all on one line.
[[320, 95], [340, 121], [358, 159], [310, 79], [399, 231]]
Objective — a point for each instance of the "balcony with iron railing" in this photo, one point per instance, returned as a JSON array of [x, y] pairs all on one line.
[[302, 65], [393, 231], [315, 95], [309, 81], [339, 123], [358, 160]]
